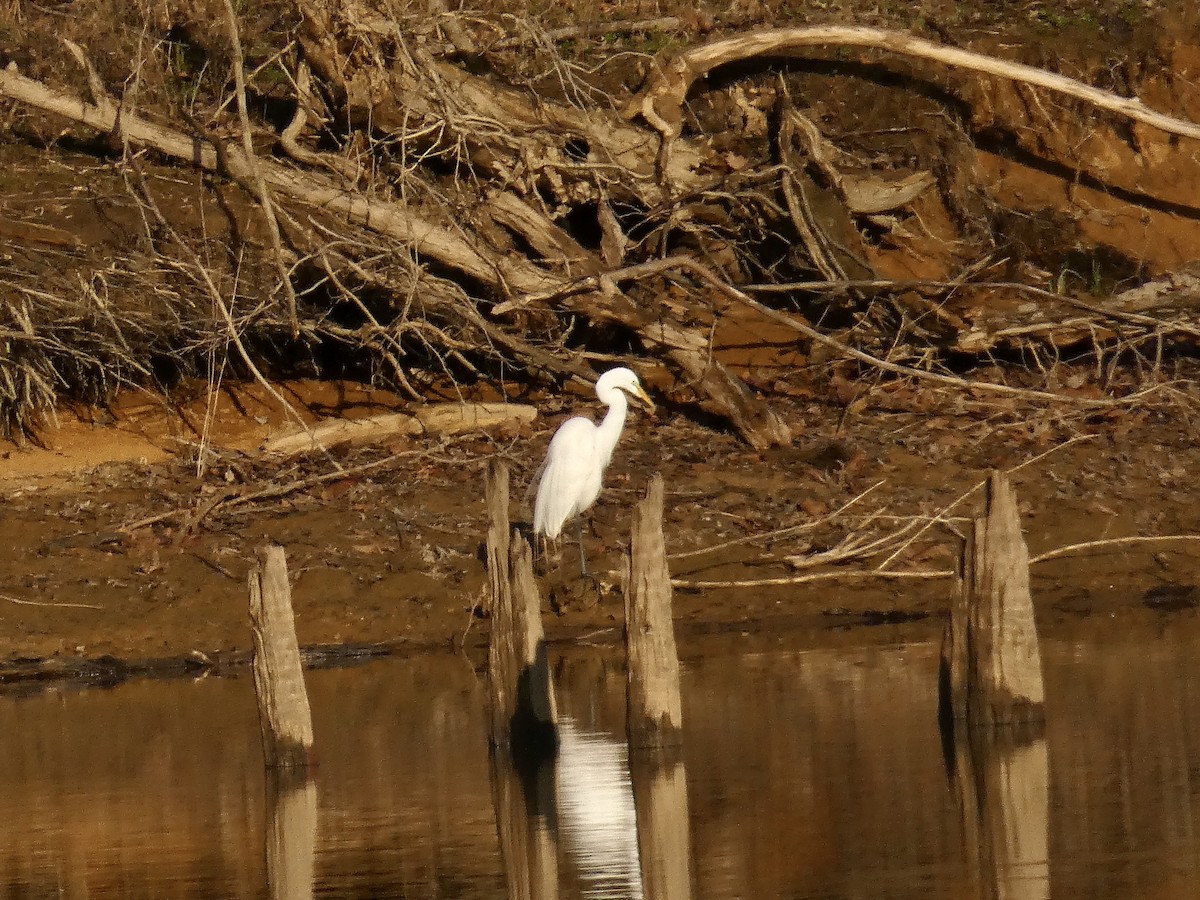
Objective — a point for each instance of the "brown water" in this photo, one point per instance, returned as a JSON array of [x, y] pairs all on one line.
[[809, 773]]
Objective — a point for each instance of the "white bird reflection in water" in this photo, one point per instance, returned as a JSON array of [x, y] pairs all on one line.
[[596, 817]]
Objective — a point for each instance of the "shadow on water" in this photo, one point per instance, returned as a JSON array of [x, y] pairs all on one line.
[[804, 773]]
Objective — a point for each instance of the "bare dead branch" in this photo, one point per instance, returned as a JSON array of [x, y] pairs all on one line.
[[661, 102], [264, 195]]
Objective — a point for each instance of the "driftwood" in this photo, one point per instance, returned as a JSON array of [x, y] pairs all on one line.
[[991, 668], [433, 418]]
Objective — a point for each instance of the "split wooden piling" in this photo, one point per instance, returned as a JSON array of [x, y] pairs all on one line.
[[654, 711], [524, 714], [283, 712], [991, 669]]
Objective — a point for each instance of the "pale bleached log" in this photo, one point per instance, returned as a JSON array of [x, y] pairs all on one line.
[[654, 709], [285, 719], [432, 418]]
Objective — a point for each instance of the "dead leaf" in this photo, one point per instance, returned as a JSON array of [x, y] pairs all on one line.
[[814, 508]]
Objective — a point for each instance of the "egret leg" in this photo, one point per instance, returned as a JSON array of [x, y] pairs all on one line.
[[583, 569], [551, 553]]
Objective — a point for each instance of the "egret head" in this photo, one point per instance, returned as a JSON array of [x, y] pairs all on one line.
[[622, 379]]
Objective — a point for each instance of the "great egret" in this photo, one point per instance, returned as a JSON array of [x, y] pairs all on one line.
[[579, 453]]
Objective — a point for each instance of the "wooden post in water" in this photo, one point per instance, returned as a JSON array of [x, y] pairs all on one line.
[[653, 710], [283, 713], [991, 668], [524, 714]]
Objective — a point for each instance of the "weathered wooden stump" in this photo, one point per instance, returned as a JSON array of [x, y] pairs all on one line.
[[524, 714], [991, 668], [654, 712], [283, 712]]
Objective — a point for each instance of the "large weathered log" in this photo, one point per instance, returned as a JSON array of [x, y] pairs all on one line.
[[432, 418]]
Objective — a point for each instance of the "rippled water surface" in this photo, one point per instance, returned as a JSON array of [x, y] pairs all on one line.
[[805, 773]]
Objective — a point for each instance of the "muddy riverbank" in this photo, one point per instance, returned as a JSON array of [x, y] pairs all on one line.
[[389, 559]]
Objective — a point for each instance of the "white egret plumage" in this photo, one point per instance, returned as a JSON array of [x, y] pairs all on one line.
[[579, 452]]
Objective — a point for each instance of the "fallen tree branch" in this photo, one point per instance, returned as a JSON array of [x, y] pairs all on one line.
[[260, 183], [506, 273], [782, 580], [1071, 549], [394, 220], [661, 102], [690, 266]]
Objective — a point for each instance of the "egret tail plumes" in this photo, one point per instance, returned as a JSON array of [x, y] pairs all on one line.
[[580, 451]]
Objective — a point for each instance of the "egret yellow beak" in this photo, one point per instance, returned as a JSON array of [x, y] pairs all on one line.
[[645, 398]]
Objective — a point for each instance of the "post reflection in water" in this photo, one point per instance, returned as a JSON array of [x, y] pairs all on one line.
[[1001, 782], [582, 803], [663, 824], [809, 773], [523, 797], [291, 834]]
